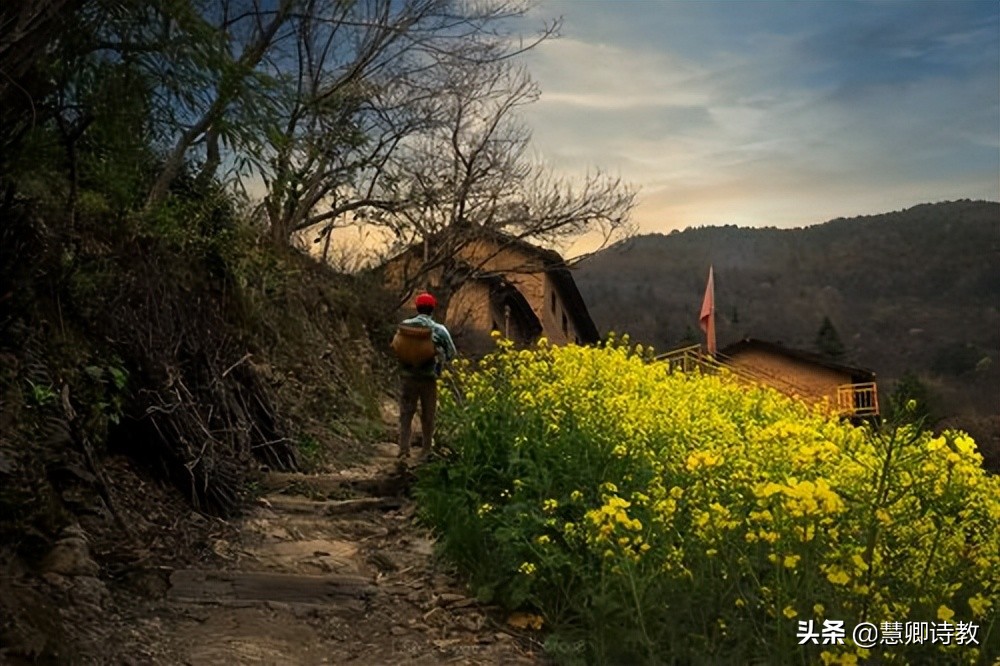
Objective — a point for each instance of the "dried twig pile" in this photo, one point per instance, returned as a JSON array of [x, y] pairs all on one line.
[[203, 413]]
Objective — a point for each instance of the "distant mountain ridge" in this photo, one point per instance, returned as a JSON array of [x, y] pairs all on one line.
[[915, 290]]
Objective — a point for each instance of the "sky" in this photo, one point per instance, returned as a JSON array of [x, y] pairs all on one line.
[[766, 113]]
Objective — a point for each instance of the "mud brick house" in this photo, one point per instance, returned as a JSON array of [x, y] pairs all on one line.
[[522, 290], [849, 391], [845, 390]]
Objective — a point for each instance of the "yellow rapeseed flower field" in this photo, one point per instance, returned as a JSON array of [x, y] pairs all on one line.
[[658, 517]]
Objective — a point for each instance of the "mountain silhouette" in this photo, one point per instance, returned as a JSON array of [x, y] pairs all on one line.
[[912, 293]]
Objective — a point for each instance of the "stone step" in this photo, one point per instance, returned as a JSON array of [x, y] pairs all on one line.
[[304, 505], [340, 592], [386, 483]]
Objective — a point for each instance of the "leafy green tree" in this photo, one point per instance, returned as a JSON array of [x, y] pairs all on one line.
[[910, 400], [828, 340]]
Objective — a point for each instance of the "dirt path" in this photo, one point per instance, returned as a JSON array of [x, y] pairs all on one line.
[[326, 569]]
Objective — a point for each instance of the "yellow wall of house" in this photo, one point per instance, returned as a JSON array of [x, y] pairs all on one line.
[[553, 314], [811, 382], [469, 309]]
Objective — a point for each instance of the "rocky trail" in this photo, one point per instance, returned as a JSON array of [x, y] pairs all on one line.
[[325, 569]]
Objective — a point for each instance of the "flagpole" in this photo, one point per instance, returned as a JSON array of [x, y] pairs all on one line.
[[706, 318]]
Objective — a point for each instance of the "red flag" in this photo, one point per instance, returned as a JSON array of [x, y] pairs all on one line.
[[707, 317]]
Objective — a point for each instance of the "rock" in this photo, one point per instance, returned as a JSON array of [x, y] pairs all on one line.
[[472, 622], [57, 581], [223, 549], [437, 617], [383, 562], [152, 583], [90, 591], [448, 598], [70, 556], [387, 449], [422, 546]]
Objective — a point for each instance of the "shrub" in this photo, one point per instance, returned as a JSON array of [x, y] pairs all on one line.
[[652, 516]]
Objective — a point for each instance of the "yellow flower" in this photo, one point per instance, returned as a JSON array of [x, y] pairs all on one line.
[[859, 563], [789, 612], [818, 609], [791, 561], [845, 659], [769, 537], [979, 605], [944, 613], [838, 576], [550, 505], [576, 495], [701, 459], [543, 539]]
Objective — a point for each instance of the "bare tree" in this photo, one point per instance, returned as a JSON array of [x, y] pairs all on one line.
[[314, 95], [352, 111], [472, 175]]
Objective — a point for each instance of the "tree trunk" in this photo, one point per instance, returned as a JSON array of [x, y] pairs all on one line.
[[228, 89]]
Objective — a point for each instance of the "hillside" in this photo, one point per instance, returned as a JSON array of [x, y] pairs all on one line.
[[913, 291]]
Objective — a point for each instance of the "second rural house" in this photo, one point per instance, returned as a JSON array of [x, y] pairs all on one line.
[[522, 290]]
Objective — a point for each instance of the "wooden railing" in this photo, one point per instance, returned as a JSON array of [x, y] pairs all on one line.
[[852, 400], [858, 399], [689, 359]]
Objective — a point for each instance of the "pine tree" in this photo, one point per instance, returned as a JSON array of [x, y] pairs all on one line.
[[828, 341]]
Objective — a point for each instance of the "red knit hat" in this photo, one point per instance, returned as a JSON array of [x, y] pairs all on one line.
[[426, 299]]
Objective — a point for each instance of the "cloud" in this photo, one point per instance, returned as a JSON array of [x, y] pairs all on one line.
[[775, 115]]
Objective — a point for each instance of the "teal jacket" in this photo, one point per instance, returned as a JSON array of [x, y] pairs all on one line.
[[442, 341]]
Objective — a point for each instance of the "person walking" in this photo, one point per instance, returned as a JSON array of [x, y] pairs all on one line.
[[418, 383]]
